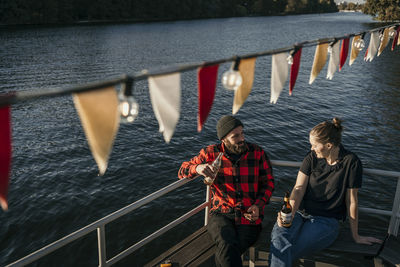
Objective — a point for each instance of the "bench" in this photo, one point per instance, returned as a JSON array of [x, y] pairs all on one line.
[[258, 253], [198, 250], [390, 252]]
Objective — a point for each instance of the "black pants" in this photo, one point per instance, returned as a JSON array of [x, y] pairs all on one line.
[[231, 240]]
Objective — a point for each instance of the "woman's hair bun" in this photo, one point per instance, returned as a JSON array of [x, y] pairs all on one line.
[[337, 123]]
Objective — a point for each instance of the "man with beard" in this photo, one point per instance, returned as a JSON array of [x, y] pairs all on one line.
[[242, 187]]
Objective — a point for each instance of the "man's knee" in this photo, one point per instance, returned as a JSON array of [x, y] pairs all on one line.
[[222, 230], [248, 235]]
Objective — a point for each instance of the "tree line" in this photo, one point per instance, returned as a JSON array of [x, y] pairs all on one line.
[[15, 12], [345, 6], [384, 10]]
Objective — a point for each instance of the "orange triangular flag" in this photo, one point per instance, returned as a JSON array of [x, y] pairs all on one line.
[[246, 69], [321, 54], [99, 114], [354, 50], [384, 42]]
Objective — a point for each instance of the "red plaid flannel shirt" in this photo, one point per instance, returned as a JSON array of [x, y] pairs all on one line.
[[238, 185]]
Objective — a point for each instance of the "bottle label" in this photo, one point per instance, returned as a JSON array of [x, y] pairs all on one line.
[[286, 218]]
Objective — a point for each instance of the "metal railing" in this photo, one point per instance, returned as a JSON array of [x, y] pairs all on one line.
[[99, 225]]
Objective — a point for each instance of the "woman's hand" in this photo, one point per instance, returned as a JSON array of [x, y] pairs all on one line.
[[367, 240], [252, 213], [279, 220]]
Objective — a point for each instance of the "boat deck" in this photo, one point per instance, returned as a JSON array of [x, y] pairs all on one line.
[[198, 249]]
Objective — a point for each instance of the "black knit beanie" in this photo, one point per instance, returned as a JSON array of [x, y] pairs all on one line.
[[226, 124]]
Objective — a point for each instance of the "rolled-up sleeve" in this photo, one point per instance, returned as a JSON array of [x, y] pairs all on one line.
[[188, 168]]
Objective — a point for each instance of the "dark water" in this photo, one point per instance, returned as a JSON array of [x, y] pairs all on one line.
[[54, 186]]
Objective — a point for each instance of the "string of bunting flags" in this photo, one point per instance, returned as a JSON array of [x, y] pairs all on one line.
[[101, 108]]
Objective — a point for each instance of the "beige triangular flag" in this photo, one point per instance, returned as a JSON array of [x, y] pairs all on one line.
[[398, 41], [354, 50], [165, 95], [321, 54], [372, 47], [246, 69], [279, 74], [99, 114], [333, 60], [384, 42]]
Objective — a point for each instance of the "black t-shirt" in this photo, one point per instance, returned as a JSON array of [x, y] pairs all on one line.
[[327, 185]]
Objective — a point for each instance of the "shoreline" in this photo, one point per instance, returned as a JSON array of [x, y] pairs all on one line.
[[133, 21]]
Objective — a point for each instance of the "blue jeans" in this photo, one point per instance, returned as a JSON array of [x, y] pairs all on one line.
[[304, 237]]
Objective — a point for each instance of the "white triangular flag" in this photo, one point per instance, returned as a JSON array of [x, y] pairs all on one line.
[[279, 75], [373, 46], [333, 60], [165, 95]]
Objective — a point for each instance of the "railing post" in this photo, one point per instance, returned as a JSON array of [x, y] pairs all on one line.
[[395, 218], [207, 209], [101, 244]]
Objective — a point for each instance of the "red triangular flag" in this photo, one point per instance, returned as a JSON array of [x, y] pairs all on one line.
[[207, 82], [5, 154], [294, 69], [344, 50], [396, 37]]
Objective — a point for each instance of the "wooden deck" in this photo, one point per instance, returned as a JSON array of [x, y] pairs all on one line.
[[390, 252], [198, 250]]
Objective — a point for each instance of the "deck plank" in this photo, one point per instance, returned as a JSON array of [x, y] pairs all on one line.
[[191, 251], [345, 243], [391, 251]]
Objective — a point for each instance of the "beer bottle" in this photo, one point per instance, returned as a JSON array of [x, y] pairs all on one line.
[[216, 164], [286, 211]]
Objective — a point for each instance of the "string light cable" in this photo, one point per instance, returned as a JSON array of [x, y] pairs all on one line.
[[131, 106]]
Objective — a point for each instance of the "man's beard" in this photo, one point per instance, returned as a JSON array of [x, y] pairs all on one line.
[[236, 148]]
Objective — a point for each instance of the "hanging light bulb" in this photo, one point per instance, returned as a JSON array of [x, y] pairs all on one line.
[[392, 33], [128, 106], [330, 49], [359, 44], [129, 109], [290, 59], [381, 35], [232, 79]]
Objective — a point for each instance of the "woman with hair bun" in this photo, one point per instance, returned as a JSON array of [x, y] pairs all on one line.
[[324, 194]]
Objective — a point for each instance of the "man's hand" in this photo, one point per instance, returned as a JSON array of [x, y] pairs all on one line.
[[252, 213], [205, 169]]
